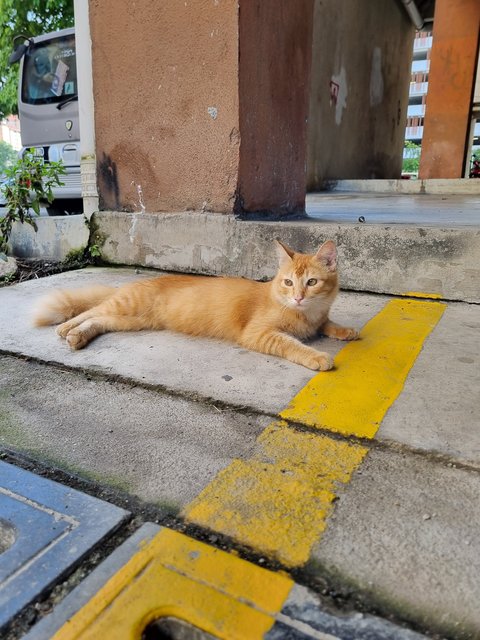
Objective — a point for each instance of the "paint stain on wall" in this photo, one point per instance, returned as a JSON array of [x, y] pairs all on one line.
[[213, 112], [338, 84], [376, 78], [108, 179]]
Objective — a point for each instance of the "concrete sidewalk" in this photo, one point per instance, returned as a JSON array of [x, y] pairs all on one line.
[[234, 444]]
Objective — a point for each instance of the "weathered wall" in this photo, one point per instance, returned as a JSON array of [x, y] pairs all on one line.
[[360, 80], [202, 105], [166, 104], [274, 86], [373, 257]]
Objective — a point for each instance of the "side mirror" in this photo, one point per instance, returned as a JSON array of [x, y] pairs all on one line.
[[20, 50]]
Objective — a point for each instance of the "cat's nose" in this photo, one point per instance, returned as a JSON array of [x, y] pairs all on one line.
[[298, 299]]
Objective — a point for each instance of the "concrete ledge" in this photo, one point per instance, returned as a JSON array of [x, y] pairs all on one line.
[[385, 259], [55, 238], [465, 186]]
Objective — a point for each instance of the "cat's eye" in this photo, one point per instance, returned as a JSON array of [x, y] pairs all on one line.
[[312, 282], [288, 283]]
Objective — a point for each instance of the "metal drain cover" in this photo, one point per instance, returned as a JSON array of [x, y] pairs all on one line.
[[46, 528]]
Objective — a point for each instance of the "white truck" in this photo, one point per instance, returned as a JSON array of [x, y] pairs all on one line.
[[48, 109]]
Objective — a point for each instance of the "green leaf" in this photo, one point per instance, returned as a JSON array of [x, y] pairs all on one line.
[[27, 190]]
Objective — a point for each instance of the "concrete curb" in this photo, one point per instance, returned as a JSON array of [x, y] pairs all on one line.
[[434, 186], [56, 237], [383, 259]]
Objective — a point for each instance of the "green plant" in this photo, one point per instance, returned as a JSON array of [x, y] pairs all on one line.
[[94, 251], [29, 182], [8, 155], [411, 160]]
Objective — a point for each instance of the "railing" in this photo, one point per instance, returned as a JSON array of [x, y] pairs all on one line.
[[416, 110], [414, 133], [422, 44], [420, 66], [418, 88]]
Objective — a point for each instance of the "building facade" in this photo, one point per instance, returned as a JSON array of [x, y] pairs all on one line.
[[417, 102], [10, 132]]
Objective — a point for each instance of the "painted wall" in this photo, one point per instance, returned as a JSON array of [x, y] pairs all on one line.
[[451, 83], [360, 80], [166, 103], [202, 104]]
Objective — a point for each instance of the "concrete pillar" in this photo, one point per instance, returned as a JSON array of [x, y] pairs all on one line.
[[201, 105], [274, 88], [86, 108], [361, 65], [451, 80]]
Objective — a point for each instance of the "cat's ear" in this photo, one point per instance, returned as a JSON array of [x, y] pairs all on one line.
[[327, 255], [284, 253]]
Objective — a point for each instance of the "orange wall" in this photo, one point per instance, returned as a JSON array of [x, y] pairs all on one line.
[[450, 88], [166, 103], [201, 104]]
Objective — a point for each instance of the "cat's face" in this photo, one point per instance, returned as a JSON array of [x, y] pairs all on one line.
[[305, 281]]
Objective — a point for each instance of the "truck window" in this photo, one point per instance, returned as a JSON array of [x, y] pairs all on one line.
[[49, 71]]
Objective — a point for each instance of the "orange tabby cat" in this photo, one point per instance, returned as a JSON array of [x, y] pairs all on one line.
[[270, 317]]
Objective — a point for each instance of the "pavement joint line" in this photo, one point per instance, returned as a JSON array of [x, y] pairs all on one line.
[[302, 627], [413, 296], [435, 457], [255, 502], [385, 445], [422, 296], [300, 426], [220, 405]]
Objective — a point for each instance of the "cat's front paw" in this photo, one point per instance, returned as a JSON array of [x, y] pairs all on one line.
[[63, 329], [348, 334], [319, 362], [76, 339]]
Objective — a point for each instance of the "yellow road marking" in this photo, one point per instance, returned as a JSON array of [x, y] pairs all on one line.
[[174, 575], [370, 373], [278, 501], [419, 294]]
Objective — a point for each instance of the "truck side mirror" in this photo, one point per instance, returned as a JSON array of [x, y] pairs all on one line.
[[20, 50]]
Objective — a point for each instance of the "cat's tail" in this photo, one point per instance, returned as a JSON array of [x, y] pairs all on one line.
[[61, 305]]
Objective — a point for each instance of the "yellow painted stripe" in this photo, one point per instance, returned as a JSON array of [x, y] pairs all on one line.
[[419, 294], [278, 501], [174, 575], [370, 373]]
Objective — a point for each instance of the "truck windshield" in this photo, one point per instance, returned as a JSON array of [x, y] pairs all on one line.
[[50, 71]]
